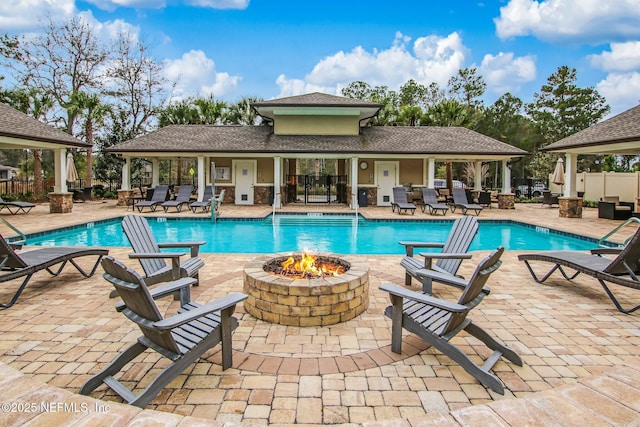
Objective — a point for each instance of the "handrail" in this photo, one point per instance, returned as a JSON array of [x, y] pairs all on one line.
[[615, 230], [20, 233], [275, 203]]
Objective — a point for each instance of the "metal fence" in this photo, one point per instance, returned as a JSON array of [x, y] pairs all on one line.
[[26, 187]]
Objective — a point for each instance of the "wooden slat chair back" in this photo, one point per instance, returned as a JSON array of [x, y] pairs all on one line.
[[459, 240], [142, 240]]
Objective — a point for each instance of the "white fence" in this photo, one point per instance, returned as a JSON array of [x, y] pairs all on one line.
[[595, 185]]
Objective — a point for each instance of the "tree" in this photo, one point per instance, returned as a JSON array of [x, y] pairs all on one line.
[[413, 94], [89, 108], [9, 48], [210, 111], [108, 166], [467, 87], [560, 109], [62, 61], [138, 85], [241, 112]]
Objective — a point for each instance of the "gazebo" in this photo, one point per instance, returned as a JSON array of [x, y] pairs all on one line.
[[19, 131]]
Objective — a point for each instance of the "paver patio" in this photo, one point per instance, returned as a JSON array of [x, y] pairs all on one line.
[[64, 329]]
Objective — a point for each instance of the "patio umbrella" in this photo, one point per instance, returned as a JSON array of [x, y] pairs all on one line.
[[558, 174], [72, 173]]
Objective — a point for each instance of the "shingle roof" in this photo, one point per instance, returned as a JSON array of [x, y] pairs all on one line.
[[373, 140], [15, 124], [623, 128], [317, 99]]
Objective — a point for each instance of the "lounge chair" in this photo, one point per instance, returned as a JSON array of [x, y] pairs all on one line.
[[623, 270], [400, 201], [205, 203], [152, 259], [16, 207], [182, 198], [484, 199], [436, 321], [430, 201], [160, 194], [181, 338], [14, 265], [460, 201], [453, 251], [549, 199]]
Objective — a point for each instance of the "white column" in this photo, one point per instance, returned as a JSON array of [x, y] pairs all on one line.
[[477, 178], [431, 173], [201, 177], [354, 182], [155, 172], [571, 166], [126, 180], [60, 170], [506, 177], [277, 181]]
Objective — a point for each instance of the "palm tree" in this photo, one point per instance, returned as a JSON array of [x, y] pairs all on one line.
[[241, 112], [94, 113]]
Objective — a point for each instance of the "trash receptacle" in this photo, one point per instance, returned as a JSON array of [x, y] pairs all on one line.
[[362, 197]]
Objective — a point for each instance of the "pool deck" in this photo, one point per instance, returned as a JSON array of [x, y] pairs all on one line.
[[579, 352]]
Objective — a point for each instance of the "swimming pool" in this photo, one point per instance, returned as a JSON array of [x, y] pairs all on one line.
[[317, 232]]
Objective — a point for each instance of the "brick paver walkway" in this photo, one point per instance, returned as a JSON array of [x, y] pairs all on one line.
[[64, 329]]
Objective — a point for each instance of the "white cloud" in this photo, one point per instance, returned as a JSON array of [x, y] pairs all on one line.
[[220, 4], [110, 30], [571, 20], [111, 5], [434, 59], [622, 57], [504, 73], [621, 90], [18, 15], [196, 75]]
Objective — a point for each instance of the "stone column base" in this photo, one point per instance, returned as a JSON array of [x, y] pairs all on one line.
[[123, 195], [506, 201], [570, 207], [60, 202]]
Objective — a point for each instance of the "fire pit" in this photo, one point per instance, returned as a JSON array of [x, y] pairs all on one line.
[[278, 295]]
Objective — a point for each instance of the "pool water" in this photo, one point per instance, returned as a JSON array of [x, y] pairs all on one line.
[[327, 233]]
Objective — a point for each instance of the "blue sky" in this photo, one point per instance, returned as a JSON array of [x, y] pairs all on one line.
[[274, 48]]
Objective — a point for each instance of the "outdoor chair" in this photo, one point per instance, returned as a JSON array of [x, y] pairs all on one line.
[[623, 270], [148, 252], [205, 203], [16, 207], [484, 199], [82, 195], [610, 207], [14, 265], [182, 338], [159, 196], [437, 321], [453, 251], [217, 202], [182, 198], [461, 201], [549, 199], [430, 201], [400, 201]]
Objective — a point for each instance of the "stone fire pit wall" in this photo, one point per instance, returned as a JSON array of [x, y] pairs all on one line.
[[306, 302]]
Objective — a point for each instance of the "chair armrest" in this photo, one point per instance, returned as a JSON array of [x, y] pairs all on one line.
[[448, 279], [195, 246], [410, 246], [164, 290], [188, 316], [606, 251], [430, 256], [151, 255], [423, 298]]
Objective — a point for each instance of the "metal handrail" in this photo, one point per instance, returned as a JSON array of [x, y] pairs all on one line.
[[20, 233], [615, 230]]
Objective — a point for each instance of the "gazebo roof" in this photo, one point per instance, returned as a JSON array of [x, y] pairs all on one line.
[[449, 142], [617, 135], [17, 130]]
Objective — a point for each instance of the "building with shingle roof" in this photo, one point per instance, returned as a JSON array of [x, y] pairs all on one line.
[[270, 163]]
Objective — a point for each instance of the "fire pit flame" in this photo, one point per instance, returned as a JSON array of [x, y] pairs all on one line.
[[308, 266]]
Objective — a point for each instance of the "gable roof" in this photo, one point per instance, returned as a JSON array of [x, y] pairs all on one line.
[[17, 130], [619, 134], [402, 140]]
